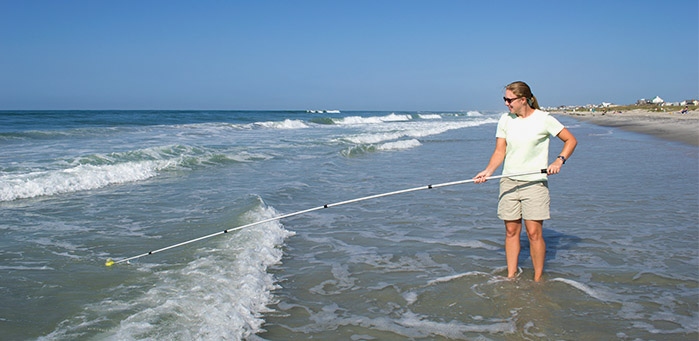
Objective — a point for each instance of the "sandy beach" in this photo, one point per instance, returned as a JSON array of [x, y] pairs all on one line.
[[667, 125]]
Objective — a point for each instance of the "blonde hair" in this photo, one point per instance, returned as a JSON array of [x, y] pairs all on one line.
[[521, 89]]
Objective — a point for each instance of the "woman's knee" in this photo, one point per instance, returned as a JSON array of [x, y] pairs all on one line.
[[534, 230], [513, 228], [534, 236]]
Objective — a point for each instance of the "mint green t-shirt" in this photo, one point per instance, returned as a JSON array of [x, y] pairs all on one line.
[[527, 143]]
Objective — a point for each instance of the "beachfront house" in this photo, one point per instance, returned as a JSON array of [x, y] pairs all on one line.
[[657, 100]]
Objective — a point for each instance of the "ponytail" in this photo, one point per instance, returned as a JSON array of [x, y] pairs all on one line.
[[521, 89]]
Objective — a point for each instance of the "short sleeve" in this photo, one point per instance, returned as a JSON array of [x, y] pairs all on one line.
[[501, 131], [553, 126]]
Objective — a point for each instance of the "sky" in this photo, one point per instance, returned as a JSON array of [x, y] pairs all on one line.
[[432, 55]]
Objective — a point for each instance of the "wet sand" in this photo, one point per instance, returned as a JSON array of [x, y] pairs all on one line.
[[666, 125]]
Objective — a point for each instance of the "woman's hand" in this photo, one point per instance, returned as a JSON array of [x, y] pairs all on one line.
[[555, 167], [481, 177]]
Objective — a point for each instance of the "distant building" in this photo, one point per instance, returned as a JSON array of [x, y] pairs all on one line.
[[690, 102], [657, 100]]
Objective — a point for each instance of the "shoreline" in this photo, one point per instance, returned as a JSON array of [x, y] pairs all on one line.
[[671, 126]]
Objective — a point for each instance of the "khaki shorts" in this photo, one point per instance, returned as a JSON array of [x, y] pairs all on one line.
[[528, 200]]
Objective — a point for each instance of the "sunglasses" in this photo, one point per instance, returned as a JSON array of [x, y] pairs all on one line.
[[510, 100]]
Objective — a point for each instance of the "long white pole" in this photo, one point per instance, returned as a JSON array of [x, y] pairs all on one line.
[[110, 262]]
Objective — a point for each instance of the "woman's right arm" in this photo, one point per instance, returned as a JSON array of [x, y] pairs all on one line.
[[495, 161]]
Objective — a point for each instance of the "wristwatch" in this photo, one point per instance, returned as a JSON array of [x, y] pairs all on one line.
[[562, 158]]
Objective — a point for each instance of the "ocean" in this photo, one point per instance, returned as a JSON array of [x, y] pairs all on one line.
[[80, 187]]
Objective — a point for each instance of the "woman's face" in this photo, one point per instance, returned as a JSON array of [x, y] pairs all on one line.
[[514, 103]]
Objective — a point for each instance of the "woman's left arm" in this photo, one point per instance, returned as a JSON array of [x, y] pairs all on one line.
[[569, 143]]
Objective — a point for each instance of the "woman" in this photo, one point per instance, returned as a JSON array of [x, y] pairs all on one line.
[[522, 142]]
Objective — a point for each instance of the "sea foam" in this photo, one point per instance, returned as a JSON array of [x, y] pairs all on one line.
[[220, 294], [399, 145], [79, 178], [372, 119], [430, 116], [96, 171], [395, 132], [286, 124], [586, 289]]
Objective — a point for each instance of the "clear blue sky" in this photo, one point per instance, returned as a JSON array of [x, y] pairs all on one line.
[[348, 55]]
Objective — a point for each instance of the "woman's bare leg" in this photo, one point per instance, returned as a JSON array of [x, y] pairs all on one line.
[[513, 228], [537, 246]]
